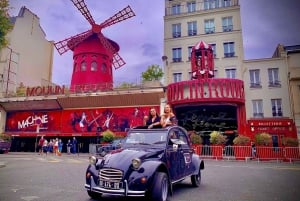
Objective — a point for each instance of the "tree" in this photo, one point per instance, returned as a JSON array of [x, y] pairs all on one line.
[[153, 72], [5, 25]]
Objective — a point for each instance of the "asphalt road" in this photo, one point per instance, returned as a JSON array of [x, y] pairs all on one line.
[[31, 177]]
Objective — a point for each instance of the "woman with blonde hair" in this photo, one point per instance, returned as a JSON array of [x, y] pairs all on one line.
[[167, 116]]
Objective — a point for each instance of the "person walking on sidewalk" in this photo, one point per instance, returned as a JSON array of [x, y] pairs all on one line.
[[69, 146]]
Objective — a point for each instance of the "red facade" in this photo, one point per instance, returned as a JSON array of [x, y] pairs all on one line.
[[79, 121]]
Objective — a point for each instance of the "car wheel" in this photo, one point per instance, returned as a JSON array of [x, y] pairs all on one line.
[[160, 188], [94, 195], [196, 179]]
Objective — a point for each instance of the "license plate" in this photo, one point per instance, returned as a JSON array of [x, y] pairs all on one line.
[[109, 184]]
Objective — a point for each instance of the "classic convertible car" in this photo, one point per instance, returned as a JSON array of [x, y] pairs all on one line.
[[148, 164]]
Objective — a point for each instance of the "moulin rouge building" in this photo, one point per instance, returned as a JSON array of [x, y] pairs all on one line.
[[204, 103]]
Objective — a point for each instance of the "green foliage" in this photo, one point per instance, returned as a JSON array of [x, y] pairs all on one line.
[[290, 142], [264, 139], [126, 85], [5, 137], [241, 140], [108, 136], [195, 138], [217, 138], [153, 72], [5, 25]]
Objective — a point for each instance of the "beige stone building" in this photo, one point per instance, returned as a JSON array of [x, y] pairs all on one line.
[[217, 23], [271, 84], [28, 57]]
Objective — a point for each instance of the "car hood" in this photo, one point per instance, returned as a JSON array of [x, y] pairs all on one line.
[[122, 158]]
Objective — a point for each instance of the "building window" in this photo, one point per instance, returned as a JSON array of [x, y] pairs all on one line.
[[209, 26], [211, 4], [214, 49], [176, 54], [192, 28], [276, 107], [257, 108], [190, 48], [227, 24], [177, 77], [94, 66], [231, 73], [215, 73], [176, 30], [176, 9], [190, 75], [228, 49], [76, 69], [226, 3], [83, 66], [191, 6], [103, 68], [254, 79], [273, 77]]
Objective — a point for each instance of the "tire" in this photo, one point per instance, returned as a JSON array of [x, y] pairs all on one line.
[[94, 195], [196, 179], [160, 188]]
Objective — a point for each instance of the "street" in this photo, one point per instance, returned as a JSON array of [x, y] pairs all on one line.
[[32, 177]]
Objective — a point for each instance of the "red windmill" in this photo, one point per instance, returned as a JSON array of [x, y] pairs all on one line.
[[93, 53]]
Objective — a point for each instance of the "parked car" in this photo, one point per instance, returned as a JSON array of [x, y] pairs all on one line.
[[148, 164], [4, 146]]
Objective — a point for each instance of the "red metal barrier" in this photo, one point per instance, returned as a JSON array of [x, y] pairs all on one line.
[[246, 152]]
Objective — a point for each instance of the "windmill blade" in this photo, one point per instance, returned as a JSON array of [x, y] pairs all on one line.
[[81, 6], [124, 14], [69, 43], [117, 59]]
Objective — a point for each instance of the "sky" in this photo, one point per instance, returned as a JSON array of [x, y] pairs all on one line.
[[265, 24]]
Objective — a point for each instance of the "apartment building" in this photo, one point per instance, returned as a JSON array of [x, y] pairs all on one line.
[[28, 58], [216, 22], [267, 82]]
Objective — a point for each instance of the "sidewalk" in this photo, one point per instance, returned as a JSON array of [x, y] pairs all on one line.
[[49, 154]]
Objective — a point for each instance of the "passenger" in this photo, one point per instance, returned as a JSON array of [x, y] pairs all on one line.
[[153, 120], [166, 117]]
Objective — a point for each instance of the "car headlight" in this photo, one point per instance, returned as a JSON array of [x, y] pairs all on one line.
[[136, 163], [92, 160]]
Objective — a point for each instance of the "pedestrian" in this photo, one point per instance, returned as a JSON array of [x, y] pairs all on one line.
[[69, 146], [74, 145], [55, 146], [45, 147], [40, 145], [253, 147], [60, 145]]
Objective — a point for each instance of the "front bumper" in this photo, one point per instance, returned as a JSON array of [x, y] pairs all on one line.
[[121, 192]]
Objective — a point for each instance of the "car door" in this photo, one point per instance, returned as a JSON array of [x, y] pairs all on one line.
[[179, 155]]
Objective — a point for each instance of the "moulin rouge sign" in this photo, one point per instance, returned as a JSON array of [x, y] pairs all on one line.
[[45, 90], [60, 90]]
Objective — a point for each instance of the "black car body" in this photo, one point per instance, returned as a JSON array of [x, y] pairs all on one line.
[[149, 162], [103, 149]]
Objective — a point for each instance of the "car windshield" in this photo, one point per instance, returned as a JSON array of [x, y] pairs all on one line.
[[146, 138]]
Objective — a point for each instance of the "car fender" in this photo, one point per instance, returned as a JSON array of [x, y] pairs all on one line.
[[93, 171], [148, 169], [198, 163]]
